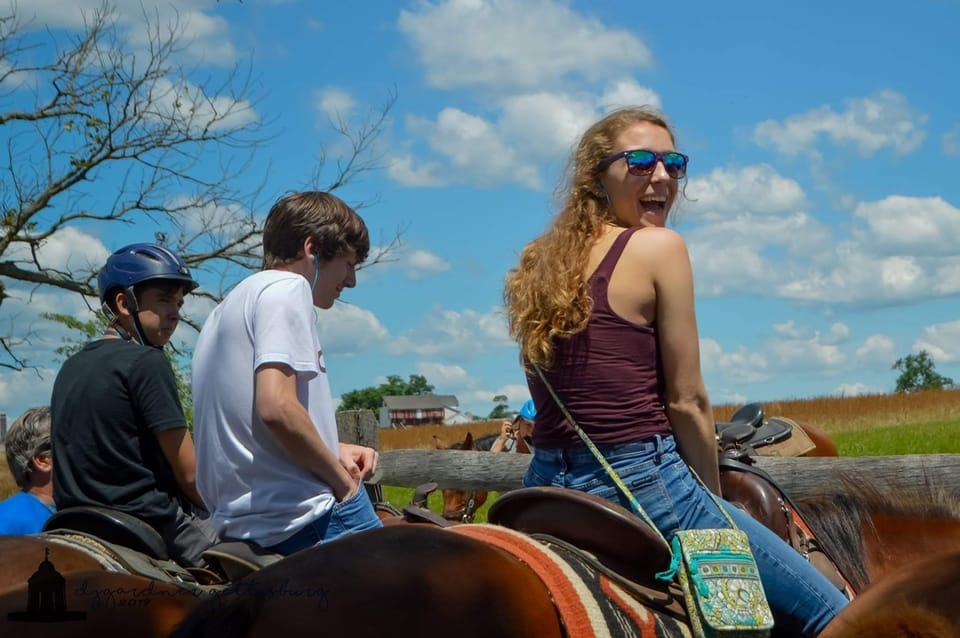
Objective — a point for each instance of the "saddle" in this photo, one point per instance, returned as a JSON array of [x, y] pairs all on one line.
[[748, 429], [120, 532], [611, 533], [112, 526], [754, 491]]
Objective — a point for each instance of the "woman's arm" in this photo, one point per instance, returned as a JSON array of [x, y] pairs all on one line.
[[688, 406]]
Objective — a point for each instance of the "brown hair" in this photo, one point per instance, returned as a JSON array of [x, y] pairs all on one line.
[[326, 218], [546, 295]]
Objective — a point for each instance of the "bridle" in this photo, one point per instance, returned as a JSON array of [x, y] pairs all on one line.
[[466, 513]]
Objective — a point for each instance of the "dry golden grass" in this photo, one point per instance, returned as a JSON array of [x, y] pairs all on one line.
[[832, 414], [851, 414], [7, 484]]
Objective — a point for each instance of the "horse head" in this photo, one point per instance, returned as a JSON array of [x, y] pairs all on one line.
[[461, 505]]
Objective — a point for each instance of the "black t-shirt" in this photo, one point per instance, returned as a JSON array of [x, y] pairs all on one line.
[[109, 401]]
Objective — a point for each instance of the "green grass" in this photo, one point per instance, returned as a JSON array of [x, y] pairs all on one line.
[[400, 496], [934, 437]]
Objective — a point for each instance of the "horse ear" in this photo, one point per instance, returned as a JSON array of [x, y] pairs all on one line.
[[467, 442]]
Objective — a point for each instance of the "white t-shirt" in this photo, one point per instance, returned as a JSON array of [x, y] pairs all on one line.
[[252, 488]]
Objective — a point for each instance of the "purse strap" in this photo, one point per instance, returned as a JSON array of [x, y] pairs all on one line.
[[634, 503]]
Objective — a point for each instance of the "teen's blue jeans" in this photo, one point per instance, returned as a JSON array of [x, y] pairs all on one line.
[[346, 517], [803, 600]]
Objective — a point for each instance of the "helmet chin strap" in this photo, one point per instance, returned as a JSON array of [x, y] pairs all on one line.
[[139, 336]]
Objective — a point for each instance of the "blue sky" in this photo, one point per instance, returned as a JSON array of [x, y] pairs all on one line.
[[823, 194]]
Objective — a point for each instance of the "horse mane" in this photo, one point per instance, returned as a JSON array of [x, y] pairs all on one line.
[[840, 520]]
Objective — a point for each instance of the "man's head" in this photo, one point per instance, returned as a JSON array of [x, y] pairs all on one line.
[[317, 235], [142, 287], [28, 448]]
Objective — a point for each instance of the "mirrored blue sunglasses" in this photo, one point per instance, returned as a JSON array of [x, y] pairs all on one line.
[[643, 162]]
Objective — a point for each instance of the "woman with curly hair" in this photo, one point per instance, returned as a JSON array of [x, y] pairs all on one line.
[[603, 303]]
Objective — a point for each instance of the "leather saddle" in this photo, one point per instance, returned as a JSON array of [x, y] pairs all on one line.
[[231, 560], [112, 526], [611, 533], [749, 428]]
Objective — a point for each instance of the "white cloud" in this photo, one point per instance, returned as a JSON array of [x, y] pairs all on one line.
[[26, 389], [806, 353], [950, 143], [203, 38], [751, 254], [756, 189], [188, 106], [501, 45], [419, 263], [627, 92], [349, 329], [789, 329], [69, 249], [333, 102], [942, 341], [407, 171], [442, 375], [839, 333], [475, 151], [876, 349], [544, 125], [855, 389], [459, 335], [737, 367], [911, 225], [883, 120]]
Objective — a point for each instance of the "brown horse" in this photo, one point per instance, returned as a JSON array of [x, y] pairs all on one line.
[[873, 530], [52, 589], [461, 506], [415, 576]]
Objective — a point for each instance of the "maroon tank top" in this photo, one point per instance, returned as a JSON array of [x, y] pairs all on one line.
[[609, 375]]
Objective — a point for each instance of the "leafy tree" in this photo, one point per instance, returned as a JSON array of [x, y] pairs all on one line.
[[501, 409], [89, 111], [917, 372], [371, 398]]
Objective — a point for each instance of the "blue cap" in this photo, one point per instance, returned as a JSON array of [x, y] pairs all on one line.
[[137, 263], [528, 411]]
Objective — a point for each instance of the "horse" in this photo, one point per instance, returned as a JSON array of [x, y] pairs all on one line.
[[436, 582], [462, 505], [56, 586], [873, 530]]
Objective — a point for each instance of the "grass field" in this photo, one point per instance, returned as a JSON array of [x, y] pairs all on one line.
[[870, 425]]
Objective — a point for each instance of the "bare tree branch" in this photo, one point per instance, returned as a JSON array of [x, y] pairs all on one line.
[[101, 133]]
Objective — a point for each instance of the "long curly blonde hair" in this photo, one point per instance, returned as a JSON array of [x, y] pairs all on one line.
[[546, 295]]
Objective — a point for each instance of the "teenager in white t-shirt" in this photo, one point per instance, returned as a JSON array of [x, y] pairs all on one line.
[[270, 466]]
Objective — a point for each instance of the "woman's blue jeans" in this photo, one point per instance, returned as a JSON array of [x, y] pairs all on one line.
[[346, 517], [803, 600]]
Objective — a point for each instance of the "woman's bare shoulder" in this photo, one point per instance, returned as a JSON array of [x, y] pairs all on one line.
[[656, 239]]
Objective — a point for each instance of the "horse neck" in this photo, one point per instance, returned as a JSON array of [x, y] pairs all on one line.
[[892, 540]]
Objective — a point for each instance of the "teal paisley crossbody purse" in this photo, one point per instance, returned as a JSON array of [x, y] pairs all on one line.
[[715, 568]]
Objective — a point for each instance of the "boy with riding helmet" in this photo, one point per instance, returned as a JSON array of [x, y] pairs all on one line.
[[120, 437]]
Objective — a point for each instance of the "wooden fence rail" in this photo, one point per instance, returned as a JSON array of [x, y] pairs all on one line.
[[799, 477], [460, 470]]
